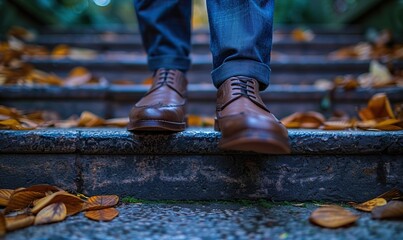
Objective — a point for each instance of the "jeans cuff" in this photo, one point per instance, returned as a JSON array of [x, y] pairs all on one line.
[[244, 67], [169, 62]]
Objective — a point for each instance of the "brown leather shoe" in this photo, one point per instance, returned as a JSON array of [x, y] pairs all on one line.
[[245, 122], [163, 106]]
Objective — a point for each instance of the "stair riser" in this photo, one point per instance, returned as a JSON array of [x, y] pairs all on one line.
[[210, 177]]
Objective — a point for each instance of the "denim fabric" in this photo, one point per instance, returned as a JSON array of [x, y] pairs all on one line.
[[241, 36], [165, 29]]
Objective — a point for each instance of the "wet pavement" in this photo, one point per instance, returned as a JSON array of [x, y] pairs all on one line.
[[210, 221]]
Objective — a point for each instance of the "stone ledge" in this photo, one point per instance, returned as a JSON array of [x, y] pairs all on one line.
[[192, 141]]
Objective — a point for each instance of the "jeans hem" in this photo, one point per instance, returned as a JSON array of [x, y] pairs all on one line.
[[169, 62], [245, 67]]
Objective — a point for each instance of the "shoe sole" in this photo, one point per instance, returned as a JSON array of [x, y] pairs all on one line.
[[156, 126], [256, 141]]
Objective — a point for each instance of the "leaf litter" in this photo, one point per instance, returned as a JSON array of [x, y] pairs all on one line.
[[45, 204]]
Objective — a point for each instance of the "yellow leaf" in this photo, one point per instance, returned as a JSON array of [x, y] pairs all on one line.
[[73, 203], [332, 217], [381, 75], [105, 215], [392, 194], [394, 209], [371, 204], [5, 195], [100, 202], [55, 212], [60, 51], [22, 199], [19, 221], [3, 228]]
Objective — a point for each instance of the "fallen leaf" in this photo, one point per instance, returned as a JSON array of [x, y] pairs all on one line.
[[60, 51], [117, 122], [5, 195], [301, 35], [77, 77], [394, 209], [88, 119], [390, 125], [337, 125], [332, 217], [105, 215], [380, 106], [371, 204], [3, 228], [41, 188], [22, 199], [19, 221], [73, 203], [392, 194], [100, 202], [55, 212], [304, 120]]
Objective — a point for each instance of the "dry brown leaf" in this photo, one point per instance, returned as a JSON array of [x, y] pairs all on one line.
[[332, 217], [148, 81], [105, 215], [3, 228], [301, 35], [100, 202], [77, 77], [371, 204], [394, 209], [390, 125], [19, 221], [42, 188], [88, 119], [380, 106], [60, 51], [55, 212], [304, 120], [22, 199], [73, 203], [392, 194], [337, 125], [5, 195], [117, 122]]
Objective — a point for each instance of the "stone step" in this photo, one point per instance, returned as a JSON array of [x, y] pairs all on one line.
[[112, 101], [284, 71], [323, 165]]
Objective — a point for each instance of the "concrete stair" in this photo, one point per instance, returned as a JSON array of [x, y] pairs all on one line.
[[323, 165]]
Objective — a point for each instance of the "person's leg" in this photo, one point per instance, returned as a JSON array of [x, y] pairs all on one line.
[[241, 38], [165, 31]]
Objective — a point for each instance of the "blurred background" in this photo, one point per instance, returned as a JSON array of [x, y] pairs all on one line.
[[119, 14]]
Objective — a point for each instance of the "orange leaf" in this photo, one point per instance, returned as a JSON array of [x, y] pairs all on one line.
[[42, 188], [60, 51], [304, 120], [301, 35], [389, 125], [88, 119], [117, 122], [332, 217], [107, 214], [73, 203], [366, 114], [337, 125], [5, 195], [19, 221], [22, 199], [392, 194], [394, 209], [55, 212], [100, 202], [371, 204], [3, 228], [194, 120], [380, 106], [78, 76]]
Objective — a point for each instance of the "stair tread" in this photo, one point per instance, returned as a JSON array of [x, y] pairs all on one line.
[[191, 141]]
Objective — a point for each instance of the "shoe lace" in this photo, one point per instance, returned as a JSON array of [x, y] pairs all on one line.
[[243, 87], [165, 77]]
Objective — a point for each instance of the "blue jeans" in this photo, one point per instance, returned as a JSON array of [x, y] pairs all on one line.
[[241, 36]]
